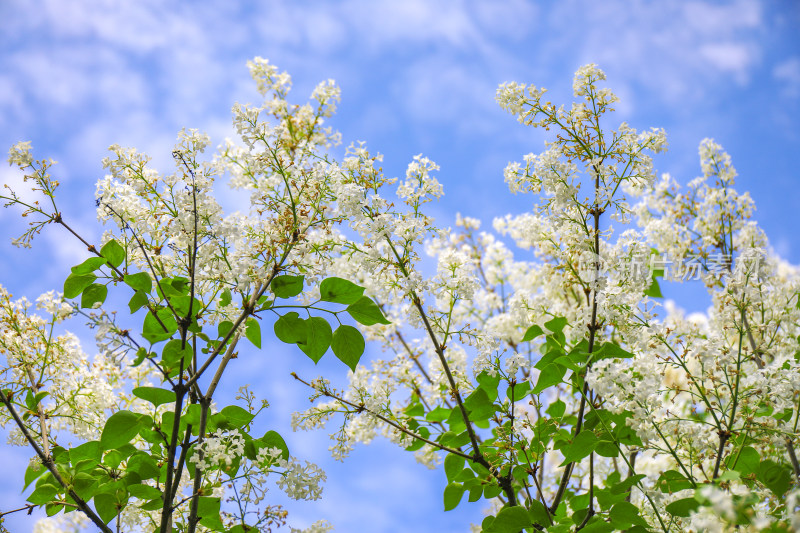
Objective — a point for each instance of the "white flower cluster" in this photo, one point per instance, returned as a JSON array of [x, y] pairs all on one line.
[[301, 482], [219, 449]]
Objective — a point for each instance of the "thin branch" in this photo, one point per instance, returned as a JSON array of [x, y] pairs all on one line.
[[793, 457], [28, 507], [166, 511], [205, 404], [218, 375], [361, 408], [593, 327], [47, 461]]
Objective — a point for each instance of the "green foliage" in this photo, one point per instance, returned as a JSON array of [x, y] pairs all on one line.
[[287, 286], [453, 493], [155, 395], [76, 283], [121, 428], [113, 253], [341, 291], [366, 312], [253, 332], [317, 339], [348, 345], [140, 281]]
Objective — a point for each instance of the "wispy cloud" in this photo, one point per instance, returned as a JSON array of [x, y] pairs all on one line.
[[787, 73]]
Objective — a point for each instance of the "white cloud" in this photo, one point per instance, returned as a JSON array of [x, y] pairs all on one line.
[[788, 73], [722, 19], [677, 51], [734, 58]]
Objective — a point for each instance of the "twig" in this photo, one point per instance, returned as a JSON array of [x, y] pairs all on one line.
[[793, 457], [28, 507]]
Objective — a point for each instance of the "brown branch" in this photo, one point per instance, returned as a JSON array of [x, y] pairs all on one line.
[[47, 461], [361, 408], [593, 327]]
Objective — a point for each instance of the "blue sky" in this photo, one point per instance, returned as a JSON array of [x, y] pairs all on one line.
[[417, 77]]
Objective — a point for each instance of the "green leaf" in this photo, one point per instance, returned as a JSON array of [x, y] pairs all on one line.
[[682, 507], [348, 345], [415, 408], [153, 505], [624, 486], [76, 283], [489, 384], [223, 328], [291, 329], [89, 266], [556, 409], [479, 405], [208, 512], [654, 291], [624, 515], [141, 354], [106, 506], [137, 301], [236, 416], [556, 325], [32, 474], [52, 509], [112, 459], [239, 528], [538, 512], [91, 450], [153, 330], [453, 439], [182, 304], [340, 291], [550, 375], [491, 490], [253, 332], [729, 475], [44, 492], [453, 465], [155, 395], [144, 492], [581, 447], [438, 414], [610, 350], [93, 294], [511, 520], [287, 286], [518, 391], [140, 281], [453, 493], [456, 422], [144, 465], [113, 252], [273, 439], [175, 351], [606, 447], [531, 333], [318, 338], [366, 312], [120, 429], [225, 298], [672, 481], [776, 477], [748, 461]]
